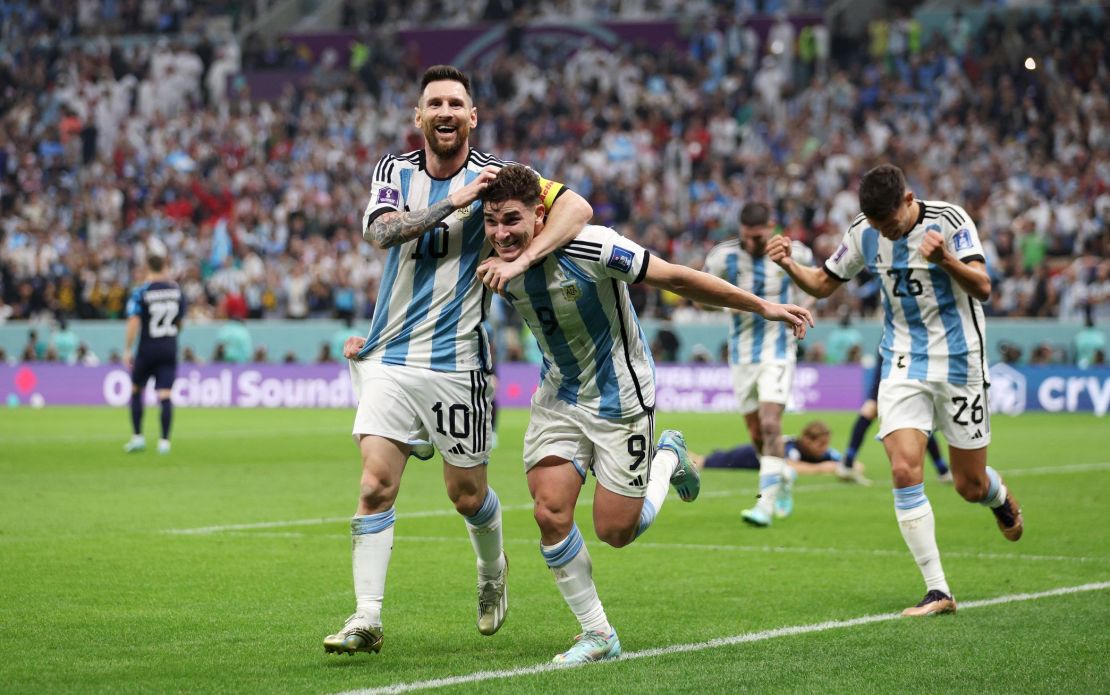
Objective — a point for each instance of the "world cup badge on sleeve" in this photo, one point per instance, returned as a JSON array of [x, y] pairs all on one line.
[[620, 259], [388, 195]]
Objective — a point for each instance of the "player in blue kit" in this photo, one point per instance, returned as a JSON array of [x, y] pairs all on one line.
[[155, 312], [594, 409], [807, 454], [929, 260], [422, 372]]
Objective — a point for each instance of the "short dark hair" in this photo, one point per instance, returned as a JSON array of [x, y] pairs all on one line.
[[755, 214], [155, 263], [437, 73], [514, 182], [881, 191]]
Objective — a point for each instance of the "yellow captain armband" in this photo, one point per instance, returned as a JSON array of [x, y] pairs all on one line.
[[550, 192]]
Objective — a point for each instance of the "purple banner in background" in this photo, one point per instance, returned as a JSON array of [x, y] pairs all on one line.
[[245, 386], [690, 388], [705, 388], [700, 388]]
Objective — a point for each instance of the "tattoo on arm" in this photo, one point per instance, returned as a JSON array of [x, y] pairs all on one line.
[[397, 228]]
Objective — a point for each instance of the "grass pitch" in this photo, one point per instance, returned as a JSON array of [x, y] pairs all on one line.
[[220, 567]]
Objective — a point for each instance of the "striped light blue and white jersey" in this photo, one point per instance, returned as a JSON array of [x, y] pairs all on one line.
[[753, 339], [933, 330], [430, 303], [576, 303]]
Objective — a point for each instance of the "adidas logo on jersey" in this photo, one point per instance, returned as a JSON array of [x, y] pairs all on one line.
[[638, 481], [457, 449], [978, 434]]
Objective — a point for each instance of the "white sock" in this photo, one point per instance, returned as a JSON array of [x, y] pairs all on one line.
[[570, 563], [918, 525], [659, 482], [996, 493], [770, 479], [371, 548], [485, 535]]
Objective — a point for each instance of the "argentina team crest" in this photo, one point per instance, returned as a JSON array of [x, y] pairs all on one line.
[[464, 212], [571, 291]]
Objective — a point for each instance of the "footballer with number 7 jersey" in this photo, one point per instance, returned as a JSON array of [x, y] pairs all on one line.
[[420, 374], [934, 368]]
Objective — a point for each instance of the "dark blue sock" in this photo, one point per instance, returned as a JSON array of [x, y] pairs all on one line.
[[137, 413], [934, 453], [859, 431], [167, 417]]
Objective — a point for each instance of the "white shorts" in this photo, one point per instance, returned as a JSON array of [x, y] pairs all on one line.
[[452, 410], [959, 411], [765, 382], [618, 451]]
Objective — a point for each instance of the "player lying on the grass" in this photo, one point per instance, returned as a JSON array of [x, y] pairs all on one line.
[[594, 409], [927, 256], [807, 454]]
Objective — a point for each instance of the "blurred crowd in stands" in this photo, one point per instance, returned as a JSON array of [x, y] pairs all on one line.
[[107, 144]]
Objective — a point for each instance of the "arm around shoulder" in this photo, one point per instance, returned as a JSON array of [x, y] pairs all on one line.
[[568, 215]]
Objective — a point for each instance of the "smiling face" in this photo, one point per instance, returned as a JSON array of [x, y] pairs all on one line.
[[511, 225], [446, 116]]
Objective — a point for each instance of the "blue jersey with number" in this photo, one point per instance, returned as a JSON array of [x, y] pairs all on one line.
[[160, 307], [932, 330]]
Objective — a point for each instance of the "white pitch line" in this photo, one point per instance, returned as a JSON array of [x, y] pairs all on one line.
[[708, 494], [203, 530], [1068, 468], [789, 549], [713, 643], [320, 522]]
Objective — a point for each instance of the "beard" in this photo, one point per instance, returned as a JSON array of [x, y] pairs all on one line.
[[462, 132]]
